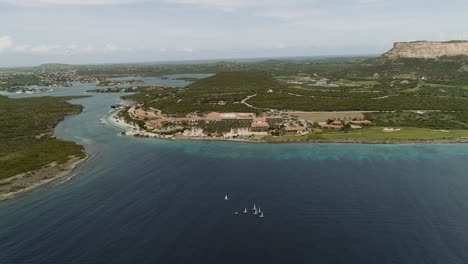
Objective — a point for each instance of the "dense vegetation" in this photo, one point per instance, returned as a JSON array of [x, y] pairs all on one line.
[[275, 66], [218, 128], [391, 103], [204, 95], [26, 141], [445, 70], [19, 80], [233, 87], [366, 84]]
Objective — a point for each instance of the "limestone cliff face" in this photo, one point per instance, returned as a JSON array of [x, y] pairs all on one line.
[[427, 49]]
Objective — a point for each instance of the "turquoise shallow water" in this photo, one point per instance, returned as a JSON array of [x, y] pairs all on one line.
[[139, 200]]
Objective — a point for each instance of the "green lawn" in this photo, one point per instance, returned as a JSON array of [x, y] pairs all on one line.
[[359, 82]]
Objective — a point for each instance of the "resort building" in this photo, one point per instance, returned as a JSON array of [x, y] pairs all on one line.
[[361, 122], [336, 123], [259, 124], [274, 121], [295, 129], [337, 127], [215, 116]]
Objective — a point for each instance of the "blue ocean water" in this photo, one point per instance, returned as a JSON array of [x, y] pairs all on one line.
[[139, 200]]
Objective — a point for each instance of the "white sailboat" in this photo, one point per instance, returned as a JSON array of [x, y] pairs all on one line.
[[259, 210], [254, 208], [226, 197], [255, 211], [245, 210], [261, 215]]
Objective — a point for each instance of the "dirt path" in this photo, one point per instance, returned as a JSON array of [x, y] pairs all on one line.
[[251, 106]]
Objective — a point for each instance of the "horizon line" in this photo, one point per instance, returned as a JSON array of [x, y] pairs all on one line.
[[233, 59]]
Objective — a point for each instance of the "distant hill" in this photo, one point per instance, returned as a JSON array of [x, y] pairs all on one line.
[[55, 66], [428, 49]]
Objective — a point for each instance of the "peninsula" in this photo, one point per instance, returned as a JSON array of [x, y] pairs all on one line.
[[417, 92], [30, 155]]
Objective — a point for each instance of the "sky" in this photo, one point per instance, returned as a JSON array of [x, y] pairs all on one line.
[[33, 32]]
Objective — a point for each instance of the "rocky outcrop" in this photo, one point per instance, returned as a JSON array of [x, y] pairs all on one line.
[[427, 49]]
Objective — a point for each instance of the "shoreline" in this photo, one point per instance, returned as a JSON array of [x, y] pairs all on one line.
[[310, 141], [370, 142], [145, 134], [410, 135], [20, 184]]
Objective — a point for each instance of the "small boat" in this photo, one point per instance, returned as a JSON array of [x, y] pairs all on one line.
[[236, 213], [259, 210], [255, 212], [261, 215], [245, 210], [254, 208], [226, 197]]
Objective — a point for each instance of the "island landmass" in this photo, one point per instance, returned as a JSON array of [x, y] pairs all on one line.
[[415, 93]]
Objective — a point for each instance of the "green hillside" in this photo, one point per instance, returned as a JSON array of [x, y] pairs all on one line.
[[26, 141]]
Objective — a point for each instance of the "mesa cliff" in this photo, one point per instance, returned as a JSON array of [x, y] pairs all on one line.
[[427, 49]]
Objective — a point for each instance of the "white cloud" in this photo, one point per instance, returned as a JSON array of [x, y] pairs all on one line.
[[41, 49], [111, 47], [71, 2], [73, 49], [227, 5], [286, 14], [6, 42], [368, 2]]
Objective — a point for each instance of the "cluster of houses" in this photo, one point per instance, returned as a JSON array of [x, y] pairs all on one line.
[[309, 80], [110, 82], [339, 124], [65, 78], [156, 121], [58, 78]]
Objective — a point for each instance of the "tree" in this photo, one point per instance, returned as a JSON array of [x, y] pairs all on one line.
[[346, 127]]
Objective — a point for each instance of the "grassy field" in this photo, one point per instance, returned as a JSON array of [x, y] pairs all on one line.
[[434, 120], [377, 135], [363, 82], [324, 116], [26, 141]]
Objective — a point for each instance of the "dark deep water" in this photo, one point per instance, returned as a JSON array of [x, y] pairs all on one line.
[[151, 201]]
